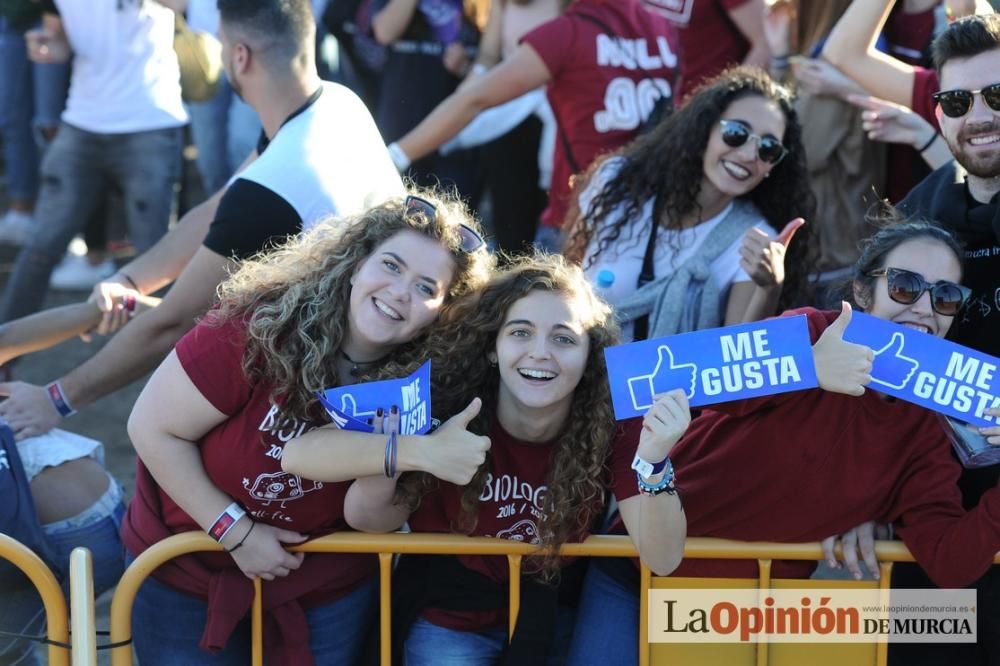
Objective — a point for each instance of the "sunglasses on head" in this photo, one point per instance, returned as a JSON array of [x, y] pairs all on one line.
[[956, 103], [469, 239], [735, 133], [906, 287]]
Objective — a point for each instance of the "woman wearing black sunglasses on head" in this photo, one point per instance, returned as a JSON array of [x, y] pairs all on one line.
[[800, 466], [693, 207], [327, 308]]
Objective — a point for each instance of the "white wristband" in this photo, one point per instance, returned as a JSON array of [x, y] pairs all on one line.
[[399, 158]]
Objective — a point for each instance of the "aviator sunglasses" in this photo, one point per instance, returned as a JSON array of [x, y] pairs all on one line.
[[906, 287], [470, 241], [956, 103], [735, 133]]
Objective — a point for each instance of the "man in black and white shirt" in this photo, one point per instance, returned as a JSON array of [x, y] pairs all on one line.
[[320, 155]]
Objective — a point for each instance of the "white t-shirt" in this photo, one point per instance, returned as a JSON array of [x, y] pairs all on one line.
[[341, 164], [125, 73], [623, 258]]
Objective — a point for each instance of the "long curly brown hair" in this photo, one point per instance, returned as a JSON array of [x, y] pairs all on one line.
[[458, 347], [666, 166], [295, 299]]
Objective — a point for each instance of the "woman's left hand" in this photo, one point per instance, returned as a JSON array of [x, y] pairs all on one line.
[[664, 424], [763, 256], [455, 59], [819, 77], [992, 433]]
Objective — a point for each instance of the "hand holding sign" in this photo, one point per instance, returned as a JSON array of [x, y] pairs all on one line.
[[666, 375], [452, 453], [890, 367], [763, 256], [663, 425], [992, 433], [842, 367]]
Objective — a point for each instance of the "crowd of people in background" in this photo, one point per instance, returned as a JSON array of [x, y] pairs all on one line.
[[506, 188]]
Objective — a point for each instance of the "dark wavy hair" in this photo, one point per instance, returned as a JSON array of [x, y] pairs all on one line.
[[458, 346], [667, 166], [892, 229]]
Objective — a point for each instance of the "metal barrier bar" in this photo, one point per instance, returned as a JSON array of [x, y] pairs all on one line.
[[763, 583], [82, 616], [385, 545], [48, 588]]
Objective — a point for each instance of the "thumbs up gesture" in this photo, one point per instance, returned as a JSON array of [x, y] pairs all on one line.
[[452, 453], [842, 367], [762, 256]]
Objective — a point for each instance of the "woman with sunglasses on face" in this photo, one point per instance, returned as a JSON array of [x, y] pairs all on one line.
[[330, 306], [688, 212], [800, 466], [530, 349]]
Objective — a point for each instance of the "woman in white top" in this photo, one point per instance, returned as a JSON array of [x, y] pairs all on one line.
[[713, 181]]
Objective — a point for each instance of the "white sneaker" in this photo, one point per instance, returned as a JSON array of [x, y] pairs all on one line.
[[76, 273], [16, 227]]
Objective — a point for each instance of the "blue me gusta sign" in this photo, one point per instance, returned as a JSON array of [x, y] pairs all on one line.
[[714, 365], [927, 370], [350, 407]]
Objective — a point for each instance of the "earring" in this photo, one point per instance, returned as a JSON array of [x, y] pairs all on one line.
[[492, 358]]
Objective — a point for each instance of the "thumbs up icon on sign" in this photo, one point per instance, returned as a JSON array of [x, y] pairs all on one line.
[[890, 367], [667, 375]]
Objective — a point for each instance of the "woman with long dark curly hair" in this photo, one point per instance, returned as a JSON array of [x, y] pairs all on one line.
[[688, 212], [210, 428], [529, 350]]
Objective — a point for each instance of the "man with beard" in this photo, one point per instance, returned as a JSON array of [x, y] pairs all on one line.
[[964, 196], [319, 154]]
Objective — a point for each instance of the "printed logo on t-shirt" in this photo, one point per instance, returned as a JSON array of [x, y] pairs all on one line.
[[514, 500], [272, 490], [678, 11], [628, 103]]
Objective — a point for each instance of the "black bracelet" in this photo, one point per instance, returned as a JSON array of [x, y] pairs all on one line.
[[124, 275], [252, 525], [929, 142]]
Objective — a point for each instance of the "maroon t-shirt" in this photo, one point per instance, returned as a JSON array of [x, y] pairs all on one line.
[[510, 507], [709, 40], [242, 455], [609, 61]]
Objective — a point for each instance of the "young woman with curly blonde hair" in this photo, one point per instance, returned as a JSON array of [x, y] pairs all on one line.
[[529, 348], [210, 426]]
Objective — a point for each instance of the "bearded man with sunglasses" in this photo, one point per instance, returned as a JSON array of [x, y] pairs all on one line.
[[964, 196]]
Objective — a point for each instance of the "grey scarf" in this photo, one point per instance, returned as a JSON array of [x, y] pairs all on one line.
[[688, 299]]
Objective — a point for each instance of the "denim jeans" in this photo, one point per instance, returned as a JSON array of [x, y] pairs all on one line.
[[548, 239], [429, 644], [225, 129], [20, 153], [167, 626], [96, 528], [607, 623], [75, 174]]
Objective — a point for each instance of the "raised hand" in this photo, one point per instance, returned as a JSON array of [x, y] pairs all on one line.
[[841, 366], [452, 453], [892, 123], [663, 425], [762, 256]]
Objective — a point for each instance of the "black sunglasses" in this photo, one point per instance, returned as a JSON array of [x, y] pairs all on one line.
[[735, 133], [907, 287], [956, 103], [469, 239]]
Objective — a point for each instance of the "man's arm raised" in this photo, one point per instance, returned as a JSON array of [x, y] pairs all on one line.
[[136, 350]]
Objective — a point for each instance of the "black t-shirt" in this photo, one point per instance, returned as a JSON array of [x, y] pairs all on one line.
[[250, 218]]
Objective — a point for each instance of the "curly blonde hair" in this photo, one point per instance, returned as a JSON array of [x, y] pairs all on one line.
[[458, 347], [295, 299]]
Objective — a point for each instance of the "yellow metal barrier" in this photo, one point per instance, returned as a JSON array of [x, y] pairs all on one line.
[[48, 587], [81, 601], [385, 545]]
